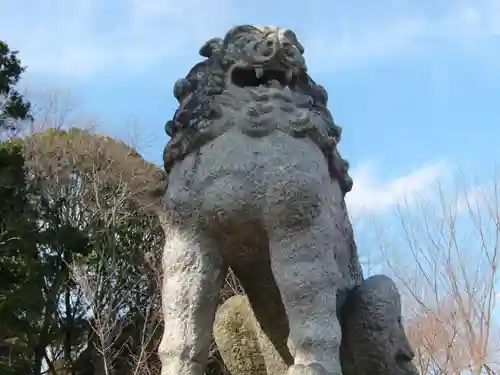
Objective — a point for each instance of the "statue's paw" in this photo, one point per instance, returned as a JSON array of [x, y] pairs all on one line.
[[312, 369]]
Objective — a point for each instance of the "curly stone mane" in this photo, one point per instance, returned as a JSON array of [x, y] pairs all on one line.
[[236, 76], [256, 184]]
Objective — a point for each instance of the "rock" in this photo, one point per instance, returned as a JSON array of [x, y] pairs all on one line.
[[244, 348]]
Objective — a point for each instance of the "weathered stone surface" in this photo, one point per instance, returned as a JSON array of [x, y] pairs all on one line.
[[224, 88], [256, 183], [373, 339]]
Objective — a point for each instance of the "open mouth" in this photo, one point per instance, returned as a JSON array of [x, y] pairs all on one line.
[[258, 76]]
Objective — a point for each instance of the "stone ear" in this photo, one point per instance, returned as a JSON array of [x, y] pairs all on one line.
[[210, 47], [290, 35]]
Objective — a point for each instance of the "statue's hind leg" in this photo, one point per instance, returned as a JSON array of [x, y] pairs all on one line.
[[193, 276], [305, 269]]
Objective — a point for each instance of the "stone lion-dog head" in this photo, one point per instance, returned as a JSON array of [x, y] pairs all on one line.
[[249, 75]]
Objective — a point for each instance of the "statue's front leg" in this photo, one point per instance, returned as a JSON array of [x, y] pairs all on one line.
[[306, 272], [193, 276]]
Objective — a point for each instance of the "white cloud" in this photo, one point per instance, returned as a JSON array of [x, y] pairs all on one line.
[[478, 199], [359, 41], [471, 199], [443, 187], [370, 195], [83, 37], [79, 38]]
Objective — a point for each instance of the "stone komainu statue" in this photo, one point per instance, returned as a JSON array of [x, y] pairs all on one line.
[[256, 183]]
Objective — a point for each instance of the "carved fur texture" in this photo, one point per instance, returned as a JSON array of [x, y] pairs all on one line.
[[256, 183]]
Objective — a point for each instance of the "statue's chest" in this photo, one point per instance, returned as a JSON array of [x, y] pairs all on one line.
[[240, 177]]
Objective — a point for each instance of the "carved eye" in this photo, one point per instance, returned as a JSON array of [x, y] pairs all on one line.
[[248, 45], [289, 48]]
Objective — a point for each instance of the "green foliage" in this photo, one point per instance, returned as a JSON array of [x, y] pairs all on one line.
[[13, 106], [20, 274], [75, 199]]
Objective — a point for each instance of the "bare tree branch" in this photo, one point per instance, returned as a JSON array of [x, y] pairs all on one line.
[[451, 280]]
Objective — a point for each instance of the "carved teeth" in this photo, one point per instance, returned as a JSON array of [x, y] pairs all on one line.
[[275, 84], [259, 72]]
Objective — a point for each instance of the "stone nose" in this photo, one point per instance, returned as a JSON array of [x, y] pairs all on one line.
[[270, 49], [274, 51]]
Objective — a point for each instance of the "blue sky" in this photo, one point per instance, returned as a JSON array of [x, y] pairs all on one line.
[[414, 84]]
